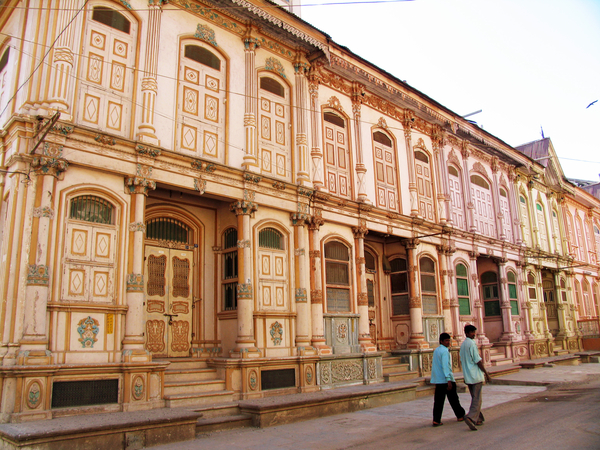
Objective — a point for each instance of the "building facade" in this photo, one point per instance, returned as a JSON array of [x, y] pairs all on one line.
[[220, 183]]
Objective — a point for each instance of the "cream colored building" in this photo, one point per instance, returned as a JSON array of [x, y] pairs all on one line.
[[231, 205]]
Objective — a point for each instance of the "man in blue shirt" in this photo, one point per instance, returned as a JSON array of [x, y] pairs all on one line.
[[474, 373], [445, 384]]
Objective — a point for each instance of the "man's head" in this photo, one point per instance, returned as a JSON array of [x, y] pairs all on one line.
[[470, 331], [445, 339]]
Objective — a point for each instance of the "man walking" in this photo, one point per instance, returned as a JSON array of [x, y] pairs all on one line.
[[445, 384], [474, 372]]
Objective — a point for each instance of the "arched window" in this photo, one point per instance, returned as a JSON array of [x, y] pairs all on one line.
[[541, 222], [484, 209], [386, 178], [532, 286], [457, 198], [580, 308], [337, 155], [512, 293], [273, 273], [168, 230], [201, 100], [5, 78], [428, 286], [230, 269], [587, 298], [563, 290], [525, 223], [337, 276], [491, 300], [108, 55], [270, 238], [370, 269], [597, 240], [462, 288], [506, 217], [548, 289], [571, 234], [556, 232], [90, 208], [595, 304], [580, 241], [424, 185], [275, 122], [399, 281]]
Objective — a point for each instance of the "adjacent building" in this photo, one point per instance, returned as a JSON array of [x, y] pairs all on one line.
[[218, 184]]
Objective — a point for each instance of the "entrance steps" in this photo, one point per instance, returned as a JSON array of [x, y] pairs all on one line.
[[558, 349], [498, 356], [226, 416], [395, 370], [191, 383]]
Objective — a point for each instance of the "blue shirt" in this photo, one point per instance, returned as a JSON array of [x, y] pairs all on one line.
[[441, 367], [469, 357]]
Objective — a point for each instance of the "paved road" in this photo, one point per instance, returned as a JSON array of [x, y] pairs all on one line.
[[563, 416]]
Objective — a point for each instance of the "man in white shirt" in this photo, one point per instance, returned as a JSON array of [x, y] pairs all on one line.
[[474, 373], [445, 384]]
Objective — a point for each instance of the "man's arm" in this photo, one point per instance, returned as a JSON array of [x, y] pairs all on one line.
[[485, 372]]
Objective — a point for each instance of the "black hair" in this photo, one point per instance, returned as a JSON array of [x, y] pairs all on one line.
[[444, 336], [469, 328]]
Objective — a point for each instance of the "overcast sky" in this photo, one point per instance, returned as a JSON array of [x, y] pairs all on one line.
[[526, 63]]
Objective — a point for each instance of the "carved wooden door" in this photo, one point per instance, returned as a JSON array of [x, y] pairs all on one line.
[[168, 301]]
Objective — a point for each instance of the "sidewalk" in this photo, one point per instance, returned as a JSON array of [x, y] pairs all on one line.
[[346, 430]]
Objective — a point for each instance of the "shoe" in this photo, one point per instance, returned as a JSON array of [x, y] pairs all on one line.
[[438, 424], [460, 419], [470, 423]]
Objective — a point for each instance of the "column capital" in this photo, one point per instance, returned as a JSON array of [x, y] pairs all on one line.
[[299, 219], [242, 207], [139, 185], [44, 165], [361, 230]]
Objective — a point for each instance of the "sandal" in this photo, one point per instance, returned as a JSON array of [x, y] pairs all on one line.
[[438, 424], [460, 419]]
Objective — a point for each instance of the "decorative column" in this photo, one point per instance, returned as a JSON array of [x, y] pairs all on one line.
[[316, 290], [358, 91], [146, 130], [407, 124], [133, 342], [477, 304], [316, 154], [251, 95], [417, 338], [508, 332], [469, 216], [438, 141], [34, 343], [62, 64], [364, 336], [302, 306], [245, 342], [561, 309], [444, 254], [301, 70], [496, 200], [524, 299], [514, 206], [535, 239]]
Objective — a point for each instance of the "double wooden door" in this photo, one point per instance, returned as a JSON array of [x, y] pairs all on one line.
[[169, 298]]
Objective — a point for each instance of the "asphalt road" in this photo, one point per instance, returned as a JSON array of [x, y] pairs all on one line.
[[564, 416]]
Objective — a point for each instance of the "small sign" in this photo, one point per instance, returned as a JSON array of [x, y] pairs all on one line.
[[110, 322]]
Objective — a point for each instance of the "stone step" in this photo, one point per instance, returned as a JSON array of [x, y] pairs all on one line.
[[399, 376], [197, 399], [184, 363], [394, 368], [560, 352], [390, 361], [221, 423], [501, 361], [190, 375], [193, 387], [219, 410]]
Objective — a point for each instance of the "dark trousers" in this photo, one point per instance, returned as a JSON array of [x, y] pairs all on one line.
[[441, 390]]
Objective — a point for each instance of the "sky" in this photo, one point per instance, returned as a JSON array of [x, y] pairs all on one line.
[[528, 64]]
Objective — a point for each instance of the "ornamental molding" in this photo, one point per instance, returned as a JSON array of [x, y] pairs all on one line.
[[478, 167], [137, 226], [147, 151], [276, 333], [200, 185], [135, 282], [105, 140], [274, 65], [88, 329], [453, 159], [206, 34], [301, 296], [38, 275], [334, 103], [43, 211]]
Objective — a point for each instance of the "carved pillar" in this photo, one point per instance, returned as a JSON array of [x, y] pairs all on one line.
[[302, 306], [469, 216], [364, 336], [63, 58], [477, 303], [245, 342], [48, 168], [301, 70], [535, 238], [251, 92], [146, 130], [508, 332], [444, 255], [437, 139], [561, 308], [316, 290], [133, 342], [417, 338], [514, 207], [524, 300], [361, 170], [407, 124], [316, 154], [496, 200]]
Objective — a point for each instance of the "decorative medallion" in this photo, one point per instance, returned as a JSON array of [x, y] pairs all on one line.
[[342, 332], [88, 330], [276, 333], [253, 380], [347, 371], [309, 375], [200, 185], [137, 389], [34, 394]]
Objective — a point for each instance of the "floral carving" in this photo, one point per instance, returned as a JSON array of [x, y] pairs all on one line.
[[205, 33], [88, 330], [135, 282], [276, 333], [347, 371], [274, 65], [38, 275], [137, 389], [34, 395], [253, 380]]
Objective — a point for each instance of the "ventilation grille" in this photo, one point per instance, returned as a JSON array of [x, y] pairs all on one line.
[[84, 393], [277, 379]]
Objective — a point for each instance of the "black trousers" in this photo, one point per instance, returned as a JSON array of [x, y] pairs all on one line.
[[441, 390]]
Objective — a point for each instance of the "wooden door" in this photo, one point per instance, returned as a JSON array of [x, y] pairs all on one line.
[[168, 301]]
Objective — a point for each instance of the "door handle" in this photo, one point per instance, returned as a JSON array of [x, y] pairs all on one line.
[[170, 317]]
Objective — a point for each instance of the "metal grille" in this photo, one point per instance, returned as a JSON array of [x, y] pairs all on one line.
[[166, 229], [230, 238], [277, 379], [270, 238], [157, 266], [203, 56], [91, 209], [112, 18], [84, 393], [181, 277]]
